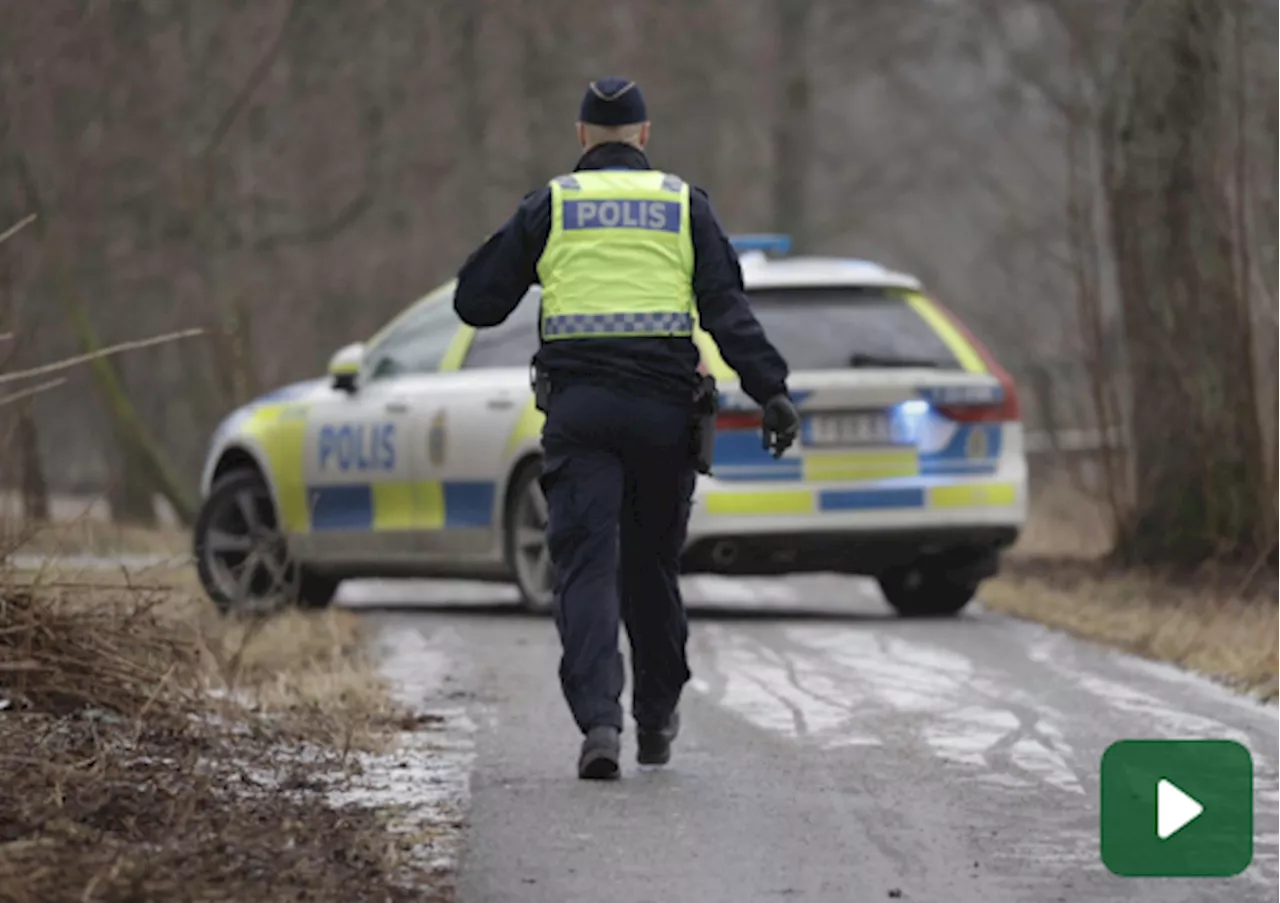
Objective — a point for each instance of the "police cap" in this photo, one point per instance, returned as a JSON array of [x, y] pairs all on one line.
[[612, 101]]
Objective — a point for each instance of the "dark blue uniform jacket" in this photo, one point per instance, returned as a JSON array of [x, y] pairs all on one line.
[[497, 275]]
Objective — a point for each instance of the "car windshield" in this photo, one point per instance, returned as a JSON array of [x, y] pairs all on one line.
[[839, 328], [415, 344]]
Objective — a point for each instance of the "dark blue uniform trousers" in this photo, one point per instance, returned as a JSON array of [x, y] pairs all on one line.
[[618, 478]]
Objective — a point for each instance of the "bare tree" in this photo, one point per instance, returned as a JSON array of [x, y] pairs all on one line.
[[21, 441], [1197, 444]]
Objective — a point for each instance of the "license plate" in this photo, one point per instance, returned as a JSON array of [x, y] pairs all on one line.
[[850, 429]]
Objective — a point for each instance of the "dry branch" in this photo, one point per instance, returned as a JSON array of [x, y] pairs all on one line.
[[109, 351], [31, 390], [17, 227]]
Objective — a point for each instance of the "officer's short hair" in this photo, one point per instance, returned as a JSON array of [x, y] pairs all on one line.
[[603, 134]]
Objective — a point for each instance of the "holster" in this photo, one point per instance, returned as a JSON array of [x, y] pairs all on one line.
[[540, 382], [706, 404]]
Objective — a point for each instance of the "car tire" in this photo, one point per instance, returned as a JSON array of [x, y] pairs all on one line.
[[316, 591], [525, 525], [919, 591], [236, 521]]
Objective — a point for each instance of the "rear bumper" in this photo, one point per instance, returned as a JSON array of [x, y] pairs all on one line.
[[762, 530], [867, 552]]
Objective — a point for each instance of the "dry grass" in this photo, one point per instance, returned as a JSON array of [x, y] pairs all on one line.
[[313, 663], [1064, 523], [150, 750], [1209, 622], [91, 536], [1225, 636]]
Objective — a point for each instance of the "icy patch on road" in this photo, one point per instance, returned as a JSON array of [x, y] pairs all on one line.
[[965, 735], [834, 685], [780, 694], [424, 780]]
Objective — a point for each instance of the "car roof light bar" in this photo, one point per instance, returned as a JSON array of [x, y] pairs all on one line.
[[768, 243]]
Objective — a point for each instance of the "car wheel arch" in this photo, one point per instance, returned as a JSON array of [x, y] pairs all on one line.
[[526, 460], [523, 475], [233, 458], [242, 457]]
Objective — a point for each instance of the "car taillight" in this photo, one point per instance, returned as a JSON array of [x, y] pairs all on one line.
[[738, 420], [1008, 408], [1002, 411]]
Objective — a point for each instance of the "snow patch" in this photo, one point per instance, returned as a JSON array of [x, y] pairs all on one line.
[[423, 783]]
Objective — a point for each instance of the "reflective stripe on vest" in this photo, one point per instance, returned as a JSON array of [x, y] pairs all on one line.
[[619, 258]]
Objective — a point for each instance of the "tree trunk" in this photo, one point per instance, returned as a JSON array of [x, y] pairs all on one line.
[[34, 489], [466, 19], [244, 380], [792, 138], [550, 132], [130, 491], [1196, 437]]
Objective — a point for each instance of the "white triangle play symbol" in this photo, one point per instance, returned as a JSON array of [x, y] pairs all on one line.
[[1174, 809]]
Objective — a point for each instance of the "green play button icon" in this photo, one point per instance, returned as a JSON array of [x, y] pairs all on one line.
[[1174, 809], [1177, 808]]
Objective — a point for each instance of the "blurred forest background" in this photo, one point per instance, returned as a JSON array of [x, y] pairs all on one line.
[[1090, 184]]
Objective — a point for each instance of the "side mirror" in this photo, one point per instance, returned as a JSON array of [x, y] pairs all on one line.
[[344, 366]]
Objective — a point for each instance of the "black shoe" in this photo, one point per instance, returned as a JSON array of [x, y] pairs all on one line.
[[601, 750], [654, 747]]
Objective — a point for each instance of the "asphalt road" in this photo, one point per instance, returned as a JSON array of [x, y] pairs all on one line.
[[830, 753]]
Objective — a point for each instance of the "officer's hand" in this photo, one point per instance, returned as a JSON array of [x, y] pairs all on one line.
[[781, 424]]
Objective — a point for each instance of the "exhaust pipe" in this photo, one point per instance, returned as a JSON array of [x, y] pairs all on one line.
[[724, 553]]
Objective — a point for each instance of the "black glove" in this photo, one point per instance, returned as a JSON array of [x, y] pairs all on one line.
[[781, 425]]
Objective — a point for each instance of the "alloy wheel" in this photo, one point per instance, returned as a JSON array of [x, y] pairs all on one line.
[[247, 555], [532, 555]]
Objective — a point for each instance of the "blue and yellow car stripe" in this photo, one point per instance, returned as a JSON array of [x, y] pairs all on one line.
[[973, 450], [401, 505], [872, 498]]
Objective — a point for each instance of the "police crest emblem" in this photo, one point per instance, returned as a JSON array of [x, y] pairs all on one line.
[[436, 435], [976, 444]]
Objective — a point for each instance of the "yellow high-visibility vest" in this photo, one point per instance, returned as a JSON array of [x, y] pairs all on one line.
[[619, 257]]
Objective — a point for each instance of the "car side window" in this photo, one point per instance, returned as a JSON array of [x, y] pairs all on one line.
[[417, 344], [511, 344]]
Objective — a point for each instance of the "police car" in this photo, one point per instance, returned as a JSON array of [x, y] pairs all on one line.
[[418, 455]]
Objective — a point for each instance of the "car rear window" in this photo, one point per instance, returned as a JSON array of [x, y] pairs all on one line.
[[825, 328], [513, 342]]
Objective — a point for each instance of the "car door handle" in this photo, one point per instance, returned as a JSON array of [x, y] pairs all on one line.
[[397, 407], [501, 403]]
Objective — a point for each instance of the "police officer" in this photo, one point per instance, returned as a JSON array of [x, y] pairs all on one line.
[[626, 256]]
